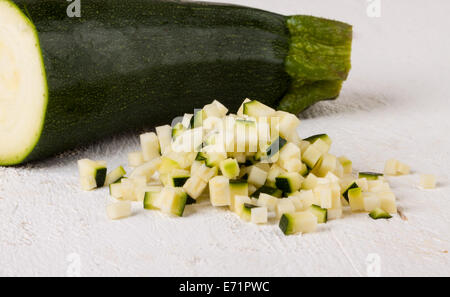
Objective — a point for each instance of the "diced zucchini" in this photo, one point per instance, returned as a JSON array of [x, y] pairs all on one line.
[[259, 215], [135, 159], [213, 159], [269, 191], [298, 222], [275, 147], [369, 175], [147, 169], [327, 164], [403, 169], [320, 213], [88, 183], [304, 170], [346, 164], [295, 199], [237, 188], [334, 213], [284, 206], [428, 181], [178, 130], [239, 207], [274, 172], [150, 146], [197, 119], [165, 138], [92, 170], [230, 168], [240, 112], [351, 186], [173, 201], [215, 109], [151, 200], [324, 195], [310, 182], [186, 121], [240, 157], [168, 165], [204, 172], [387, 200], [195, 186], [378, 213], [257, 176], [390, 168], [119, 210], [115, 176], [190, 200], [288, 123], [311, 156], [256, 109], [323, 137], [219, 191], [321, 146], [201, 156], [268, 201], [289, 182], [307, 198], [177, 178], [115, 190], [363, 184], [355, 199], [371, 201]]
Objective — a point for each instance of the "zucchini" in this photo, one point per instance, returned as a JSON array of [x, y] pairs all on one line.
[[129, 64], [172, 201], [275, 147], [378, 213], [269, 191], [230, 168], [289, 182], [115, 176], [90, 172], [151, 200], [320, 213], [353, 185], [299, 222], [219, 191], [369, 175], [256, 109], [119, 210], [323, 137]]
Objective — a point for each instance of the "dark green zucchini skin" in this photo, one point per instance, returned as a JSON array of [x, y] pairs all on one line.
[[132, 64]]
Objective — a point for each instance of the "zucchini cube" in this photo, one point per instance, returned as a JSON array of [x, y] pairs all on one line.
[[219, 191]]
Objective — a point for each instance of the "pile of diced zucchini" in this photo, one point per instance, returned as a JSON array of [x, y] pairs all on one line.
[[253, 162]]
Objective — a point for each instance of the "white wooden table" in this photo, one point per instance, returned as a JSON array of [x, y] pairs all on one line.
[[395, 104]]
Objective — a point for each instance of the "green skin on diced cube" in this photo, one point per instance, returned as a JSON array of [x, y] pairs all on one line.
[[378, 213], [275, 147], [352, 186], [190, 200], [149, 200], [179, 181], [100, 176], [324, 137], [179, 204], [269, 191], [320, 213], [284, 184], [370, 175], [286, 224]]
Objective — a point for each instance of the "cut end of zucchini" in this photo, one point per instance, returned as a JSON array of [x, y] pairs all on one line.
[[370, 175], [378, 213], [23, 86]]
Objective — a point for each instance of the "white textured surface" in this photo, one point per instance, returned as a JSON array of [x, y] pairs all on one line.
[[395, 104]]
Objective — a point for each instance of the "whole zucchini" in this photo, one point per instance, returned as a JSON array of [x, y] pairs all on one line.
[[129, 64]]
